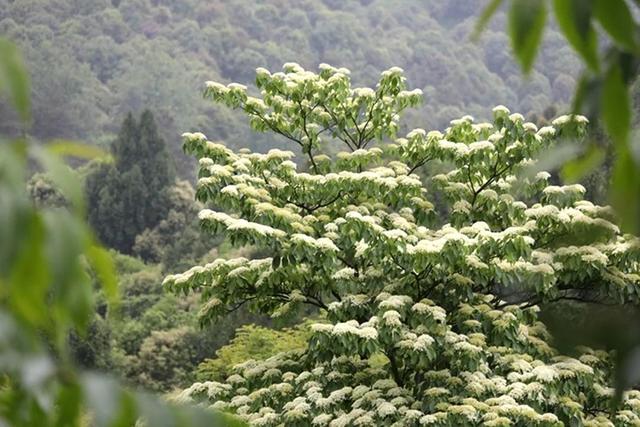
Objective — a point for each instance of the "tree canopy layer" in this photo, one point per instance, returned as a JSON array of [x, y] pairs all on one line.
[[93, 61], [448, 300]]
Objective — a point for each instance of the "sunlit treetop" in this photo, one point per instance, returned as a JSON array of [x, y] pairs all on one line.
[[431, 314]]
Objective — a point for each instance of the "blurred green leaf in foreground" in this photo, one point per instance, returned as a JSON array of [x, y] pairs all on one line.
[[606, 37], [48, 258]]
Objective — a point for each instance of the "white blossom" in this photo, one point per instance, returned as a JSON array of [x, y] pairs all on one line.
[[501, 109]]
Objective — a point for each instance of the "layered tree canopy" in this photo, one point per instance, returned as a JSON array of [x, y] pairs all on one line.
[[430, 315]]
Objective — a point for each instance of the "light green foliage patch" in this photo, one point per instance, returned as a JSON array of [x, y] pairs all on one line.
[[253, 342]]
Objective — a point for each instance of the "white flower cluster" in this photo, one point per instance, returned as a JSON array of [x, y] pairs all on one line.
[[563, 120], [347, 328], [438, 244], [321, 243], [239, 224]]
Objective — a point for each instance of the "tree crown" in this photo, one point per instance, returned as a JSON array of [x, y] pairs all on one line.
[[448, 295]]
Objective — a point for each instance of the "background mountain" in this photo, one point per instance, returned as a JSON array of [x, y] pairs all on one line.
[[93, 61]]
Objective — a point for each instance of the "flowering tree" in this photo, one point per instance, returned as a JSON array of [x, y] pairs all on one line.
[[428, 321]]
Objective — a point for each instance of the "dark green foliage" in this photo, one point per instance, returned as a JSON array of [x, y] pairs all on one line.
[[93, 350], [153, 340], [130, 195], [176, 240], [168, 358]]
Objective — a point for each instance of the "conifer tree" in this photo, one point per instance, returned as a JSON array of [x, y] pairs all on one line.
[[450, 306], [127, 149], [129, 195]]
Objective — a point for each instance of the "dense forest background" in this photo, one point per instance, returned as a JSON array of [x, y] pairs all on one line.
[[93, 62]]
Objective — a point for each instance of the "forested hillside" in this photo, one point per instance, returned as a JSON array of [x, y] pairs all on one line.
[[93, 61]]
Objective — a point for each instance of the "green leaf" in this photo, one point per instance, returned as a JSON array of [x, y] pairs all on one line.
[[62, 147], [14, 78], [627, 367], [485, 16], [577, 168], [155, 414], [128, 413], [113, 406], [68, 404], [104, 399], [553, 158], [275, 263], [526, 24], [625, 190], [104, 266], [616, 19], [62, 176], [574, 19], [600, 327], [587, 95], [28, 285], [159, 414], [616, 106], [70, 293]]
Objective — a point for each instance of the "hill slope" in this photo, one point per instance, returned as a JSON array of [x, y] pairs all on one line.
[[94, 60]]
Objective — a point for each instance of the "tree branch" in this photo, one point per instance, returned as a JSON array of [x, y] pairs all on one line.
[[420, 164], [272, 127], [394, 367]]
